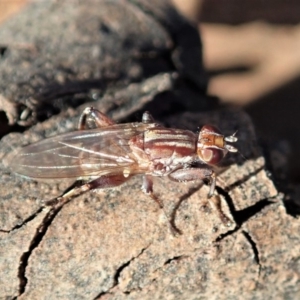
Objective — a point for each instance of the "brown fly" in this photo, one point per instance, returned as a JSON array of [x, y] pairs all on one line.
[[112, 153]]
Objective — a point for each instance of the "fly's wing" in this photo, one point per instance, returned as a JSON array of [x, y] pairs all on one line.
[[79, 154]]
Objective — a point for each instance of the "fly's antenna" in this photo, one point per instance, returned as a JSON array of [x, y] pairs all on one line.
[[231, 139]]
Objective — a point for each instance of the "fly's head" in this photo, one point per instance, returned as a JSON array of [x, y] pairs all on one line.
[[212, 146]]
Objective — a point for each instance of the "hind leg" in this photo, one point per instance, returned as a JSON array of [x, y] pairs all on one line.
[[99, 183]]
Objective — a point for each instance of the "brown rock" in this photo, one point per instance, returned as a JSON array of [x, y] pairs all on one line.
[[117, 243], [62, 54]]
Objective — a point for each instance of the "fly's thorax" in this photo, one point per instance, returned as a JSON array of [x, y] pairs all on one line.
[[161, 150], [167, 143]]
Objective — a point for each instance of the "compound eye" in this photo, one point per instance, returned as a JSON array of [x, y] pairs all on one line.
[[211, 156]]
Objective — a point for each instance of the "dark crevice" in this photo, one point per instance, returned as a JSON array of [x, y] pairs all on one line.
[[167, 262], [104, 28], [27, 220], [3, 51], [100, 295], [40, 233], [255, 251], [228, 199], [179, 257], [243, 215], [122, 267], [240, 218], [119, 271], [291, 204], [228, 233], [253, 244], [230, 204]]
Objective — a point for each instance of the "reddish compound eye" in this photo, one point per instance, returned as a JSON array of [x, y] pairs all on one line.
[[211, 156]]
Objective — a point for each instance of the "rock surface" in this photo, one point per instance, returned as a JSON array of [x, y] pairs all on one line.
[[117, 243], [60, 54]]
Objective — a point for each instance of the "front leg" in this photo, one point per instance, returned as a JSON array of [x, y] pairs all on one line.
[[192, 174], [147, 188], [99, 118]]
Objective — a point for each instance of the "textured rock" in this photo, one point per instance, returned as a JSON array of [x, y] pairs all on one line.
[[14, 250], [60, 54], [117, 243]]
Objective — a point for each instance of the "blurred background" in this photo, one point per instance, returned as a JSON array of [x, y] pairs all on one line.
[[252, 54]]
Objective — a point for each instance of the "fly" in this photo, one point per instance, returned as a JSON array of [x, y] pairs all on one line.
[[112, 153]]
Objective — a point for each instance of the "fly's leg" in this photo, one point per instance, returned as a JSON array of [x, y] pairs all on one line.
[[212, 179], [100, 119], [192, 174], [99, 183], [147, 118], [216, 202], [147, 188]]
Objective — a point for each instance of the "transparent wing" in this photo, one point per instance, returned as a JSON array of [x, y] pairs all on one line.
[[77, 154]]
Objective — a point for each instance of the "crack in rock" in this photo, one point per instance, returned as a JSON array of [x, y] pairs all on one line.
[[36, 240], [3, 50], [27, 220], [119, 271], [167, 262], [175, 258], [243, 215], [254, 248], [243, 218]]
